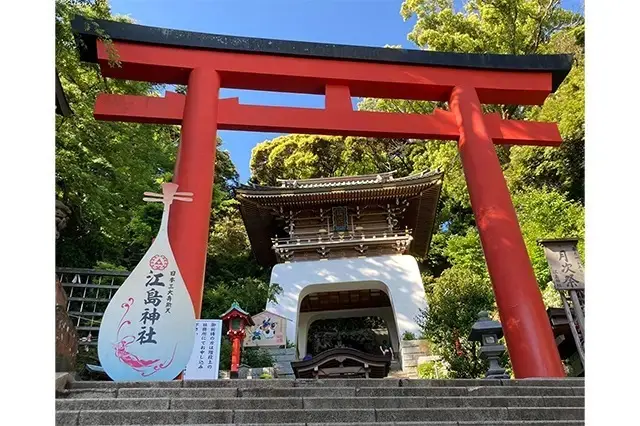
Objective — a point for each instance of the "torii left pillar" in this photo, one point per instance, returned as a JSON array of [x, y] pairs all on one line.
[[194, 172]]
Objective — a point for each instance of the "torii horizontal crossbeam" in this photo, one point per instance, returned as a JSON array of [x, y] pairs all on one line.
[[168, 56], [331, 121]]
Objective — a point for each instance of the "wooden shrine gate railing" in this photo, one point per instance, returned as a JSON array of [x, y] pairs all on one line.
[[88, 293], [342, 363]]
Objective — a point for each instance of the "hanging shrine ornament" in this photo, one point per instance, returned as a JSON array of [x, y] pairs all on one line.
[[147, 331]]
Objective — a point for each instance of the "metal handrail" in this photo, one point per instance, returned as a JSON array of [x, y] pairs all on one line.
[[85, 271]]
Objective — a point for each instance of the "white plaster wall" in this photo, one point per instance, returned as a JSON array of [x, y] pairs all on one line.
[[397, 275]]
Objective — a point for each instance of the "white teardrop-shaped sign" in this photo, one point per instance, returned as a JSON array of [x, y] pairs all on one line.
[[147, 329]]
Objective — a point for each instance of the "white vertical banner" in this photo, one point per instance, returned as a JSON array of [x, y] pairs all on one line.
[[205, 359]]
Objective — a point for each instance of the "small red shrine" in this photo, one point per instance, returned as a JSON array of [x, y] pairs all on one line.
[[235, 321]]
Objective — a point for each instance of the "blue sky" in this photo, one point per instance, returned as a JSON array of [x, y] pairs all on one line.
[[357, 22]]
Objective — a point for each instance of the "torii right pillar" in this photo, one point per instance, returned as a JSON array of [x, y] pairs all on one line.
[[527, 330]]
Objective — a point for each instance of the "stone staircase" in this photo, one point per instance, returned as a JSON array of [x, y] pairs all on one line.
[[324, 402]]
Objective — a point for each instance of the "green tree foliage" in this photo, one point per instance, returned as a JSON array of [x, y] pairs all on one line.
[[312, 156], [517, 27], [102, 169], [250, 357], [561, 169], [432, 370], [454, 299]]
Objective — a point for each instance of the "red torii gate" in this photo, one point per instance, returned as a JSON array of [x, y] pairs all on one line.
[[207, 62]]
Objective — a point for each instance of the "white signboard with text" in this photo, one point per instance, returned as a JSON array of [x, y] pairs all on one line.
[[205, 358]]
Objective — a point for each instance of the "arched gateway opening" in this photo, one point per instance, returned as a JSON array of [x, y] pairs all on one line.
[[368, 334], [341, 302], [206, 63]]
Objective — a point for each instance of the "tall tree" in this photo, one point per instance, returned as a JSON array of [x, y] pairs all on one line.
[[101, 168], [561, 169], [312, 156]]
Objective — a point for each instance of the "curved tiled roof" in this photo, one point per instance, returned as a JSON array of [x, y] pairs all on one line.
[[332, 182], [257, 203]]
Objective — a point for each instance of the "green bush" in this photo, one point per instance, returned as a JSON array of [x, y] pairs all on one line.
[[433, 370], [407, 335], [266, 376], [225, 354], [257, 358], [251, 357]]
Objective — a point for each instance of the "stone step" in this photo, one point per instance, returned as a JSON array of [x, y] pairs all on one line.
[[327, 392], [454, 423], [427, 423], [471, 391], [356, 383], [277, 416], [313, 403]]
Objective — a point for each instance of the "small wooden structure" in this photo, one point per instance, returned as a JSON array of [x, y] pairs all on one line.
[[343, 362], [565, 341]]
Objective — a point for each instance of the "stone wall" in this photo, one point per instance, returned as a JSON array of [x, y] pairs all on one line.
[[66, 341], [283, 358], [66, 334], [413, 353]]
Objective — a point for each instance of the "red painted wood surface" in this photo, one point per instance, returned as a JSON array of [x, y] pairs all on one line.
[[338, 119], [189, 222], [172, 65], [527, 330]]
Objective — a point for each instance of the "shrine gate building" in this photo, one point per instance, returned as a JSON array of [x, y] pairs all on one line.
[[342, 247]]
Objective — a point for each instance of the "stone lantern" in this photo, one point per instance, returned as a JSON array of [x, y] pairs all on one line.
[[236, 319], [488, 332]]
